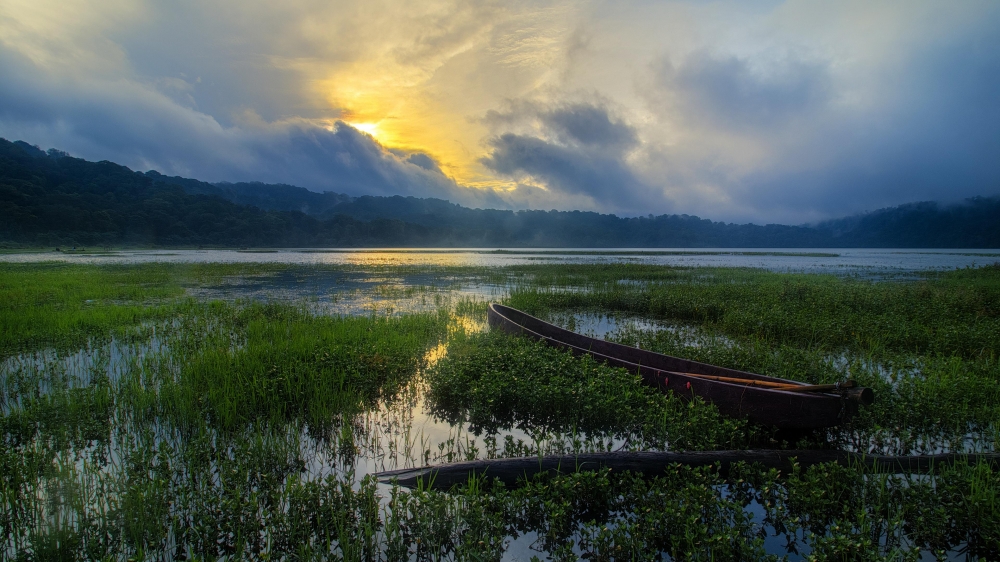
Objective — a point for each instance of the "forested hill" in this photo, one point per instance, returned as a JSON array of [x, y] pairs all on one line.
[[974, 223], [52, 199], [462, 226]]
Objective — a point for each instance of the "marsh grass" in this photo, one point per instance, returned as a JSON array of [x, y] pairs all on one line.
[[954, 313], [196, 445], [495, 381], [63, 305], [289, 365], [139, 423], [200, 451], [927, 347]]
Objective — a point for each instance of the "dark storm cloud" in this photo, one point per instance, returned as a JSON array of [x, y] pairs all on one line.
[[589, 125], [424, 161], [569, 170], [344, 159], [573, 149], [420, 159]]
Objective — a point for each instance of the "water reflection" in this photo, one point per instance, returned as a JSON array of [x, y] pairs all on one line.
[[400, 432], [350, 292], [866, 262]]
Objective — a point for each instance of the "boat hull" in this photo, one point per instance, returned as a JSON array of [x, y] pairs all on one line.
[[776, 408]]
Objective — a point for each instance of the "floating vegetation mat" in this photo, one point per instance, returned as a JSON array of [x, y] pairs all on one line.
[[239, 411]]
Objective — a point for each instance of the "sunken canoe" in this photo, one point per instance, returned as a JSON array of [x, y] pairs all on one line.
[[782, 409]]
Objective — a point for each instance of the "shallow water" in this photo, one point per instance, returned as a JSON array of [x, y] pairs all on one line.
[[352, 292], [822, 260], [601, 325], [402, 433], [399, 433]]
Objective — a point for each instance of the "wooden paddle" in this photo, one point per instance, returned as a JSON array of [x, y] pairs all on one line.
[[776, 385]]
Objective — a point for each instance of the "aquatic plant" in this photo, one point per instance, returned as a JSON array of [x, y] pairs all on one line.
[[496, 381], [140, 419]]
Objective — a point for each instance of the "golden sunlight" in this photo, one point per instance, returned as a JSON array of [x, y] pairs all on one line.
[[417, 124], [370, 128]]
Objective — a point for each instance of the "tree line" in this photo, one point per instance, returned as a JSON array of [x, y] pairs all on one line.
[[52, 199]]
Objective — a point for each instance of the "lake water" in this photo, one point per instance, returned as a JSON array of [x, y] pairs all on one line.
[[825, 260]]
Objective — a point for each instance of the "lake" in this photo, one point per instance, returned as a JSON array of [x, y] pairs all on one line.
[[825, 260]]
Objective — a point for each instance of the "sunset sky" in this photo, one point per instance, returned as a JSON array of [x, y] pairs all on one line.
[[785, 112]]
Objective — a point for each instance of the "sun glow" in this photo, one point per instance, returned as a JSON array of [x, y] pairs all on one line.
[[422, 88], [397, 111], [370, 128], [413, 124]]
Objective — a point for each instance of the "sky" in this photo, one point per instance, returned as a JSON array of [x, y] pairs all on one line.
[[768, 112]]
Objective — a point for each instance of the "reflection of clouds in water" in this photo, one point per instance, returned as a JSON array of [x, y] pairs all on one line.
[[398, 433], [400, 258], [351, 293], [435, 354], [603, 325], [469, 324], [846, 261], [359, 302]]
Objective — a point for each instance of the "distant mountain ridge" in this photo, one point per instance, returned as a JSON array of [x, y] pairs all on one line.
[[50, 198]]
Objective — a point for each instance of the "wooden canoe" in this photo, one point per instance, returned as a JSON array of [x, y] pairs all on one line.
[[783, 409], [512, 471]]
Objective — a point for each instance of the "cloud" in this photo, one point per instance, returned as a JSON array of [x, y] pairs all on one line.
[[137, 125], [576, 150], [729, 92], [589, 125], [778, 137], [781, 111], [569, 170], [410, 73]]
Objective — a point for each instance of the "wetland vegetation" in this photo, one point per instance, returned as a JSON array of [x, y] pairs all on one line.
[[169, 412]]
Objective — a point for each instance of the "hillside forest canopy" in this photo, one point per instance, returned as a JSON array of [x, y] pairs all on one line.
[[49, 198]]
